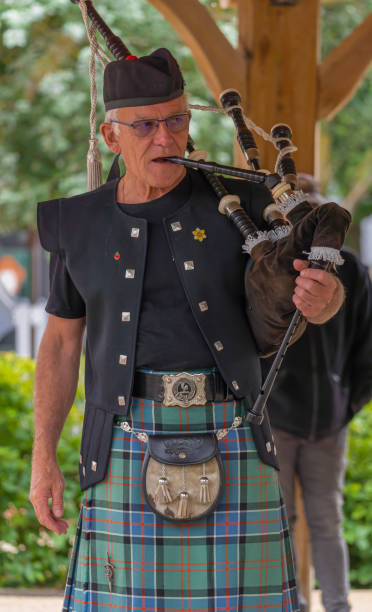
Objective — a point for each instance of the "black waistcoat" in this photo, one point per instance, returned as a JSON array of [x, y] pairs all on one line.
[[105, 252]]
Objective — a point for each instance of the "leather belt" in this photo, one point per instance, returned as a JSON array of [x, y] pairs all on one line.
[[183, 389]]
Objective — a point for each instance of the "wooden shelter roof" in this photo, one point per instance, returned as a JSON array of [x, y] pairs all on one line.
[[276, 66]]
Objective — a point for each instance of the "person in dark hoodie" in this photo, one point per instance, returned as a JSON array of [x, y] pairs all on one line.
[[325, 379]]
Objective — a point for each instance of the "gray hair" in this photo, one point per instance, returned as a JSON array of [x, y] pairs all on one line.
[[112, 114]]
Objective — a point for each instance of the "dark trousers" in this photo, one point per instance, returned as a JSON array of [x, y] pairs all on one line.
[[320, 467]]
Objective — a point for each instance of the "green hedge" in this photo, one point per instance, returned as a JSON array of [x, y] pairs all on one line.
[[32, 556], [358, 499]]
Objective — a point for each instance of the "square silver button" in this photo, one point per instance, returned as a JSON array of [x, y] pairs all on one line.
[[134, 232], [189, 265], [125, 316], [268, 447], [235, 385], [176, 226], [94, 466], [218, 345], [203, 306], [121, 400], [130, 273], [123, 359]]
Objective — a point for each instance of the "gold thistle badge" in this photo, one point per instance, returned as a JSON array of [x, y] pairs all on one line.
[[199, 234]]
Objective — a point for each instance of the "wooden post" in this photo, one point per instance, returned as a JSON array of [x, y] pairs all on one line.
[[280, 45], [303, 547]]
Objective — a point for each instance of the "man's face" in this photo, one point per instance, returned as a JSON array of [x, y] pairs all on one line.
[[143, 155]]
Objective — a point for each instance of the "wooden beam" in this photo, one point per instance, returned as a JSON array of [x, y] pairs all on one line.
[[343, 69], [221, 64], [226, 4]]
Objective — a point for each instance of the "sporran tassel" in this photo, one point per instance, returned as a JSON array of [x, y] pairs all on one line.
[[182, 509], [94, 165], [205, 496], [162, 493]]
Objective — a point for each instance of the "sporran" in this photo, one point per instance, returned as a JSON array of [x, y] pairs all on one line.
[[182, 475]]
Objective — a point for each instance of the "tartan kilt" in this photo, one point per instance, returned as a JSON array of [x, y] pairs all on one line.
[[237, 558]]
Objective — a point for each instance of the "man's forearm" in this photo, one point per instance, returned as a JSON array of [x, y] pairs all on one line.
[[56, 378], [57, 372]]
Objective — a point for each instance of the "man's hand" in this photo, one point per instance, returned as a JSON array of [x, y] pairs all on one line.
[[47, 482], [318, 294]]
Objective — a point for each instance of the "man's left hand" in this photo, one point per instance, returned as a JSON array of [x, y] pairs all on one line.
[[318, 294]]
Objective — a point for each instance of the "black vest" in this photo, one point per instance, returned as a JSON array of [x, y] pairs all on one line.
[[105, 253]]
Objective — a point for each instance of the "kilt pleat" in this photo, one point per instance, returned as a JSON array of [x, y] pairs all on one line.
[[238, 558]]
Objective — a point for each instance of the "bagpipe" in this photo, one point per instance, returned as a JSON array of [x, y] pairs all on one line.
[[292, 226]]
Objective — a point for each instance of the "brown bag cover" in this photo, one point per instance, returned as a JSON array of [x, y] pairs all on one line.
[[270, 276]]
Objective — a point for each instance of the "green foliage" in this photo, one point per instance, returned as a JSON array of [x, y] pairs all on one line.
[[29, 554], [350, 131], [358, 499], [45, 99]]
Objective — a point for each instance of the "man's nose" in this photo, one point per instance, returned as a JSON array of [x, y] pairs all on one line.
[[162, 135]]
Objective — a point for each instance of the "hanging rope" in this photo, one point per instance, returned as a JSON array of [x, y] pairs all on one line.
[[94, 162], [91, 33]]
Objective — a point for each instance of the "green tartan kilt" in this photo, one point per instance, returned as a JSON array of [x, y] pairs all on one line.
[[237, 558]]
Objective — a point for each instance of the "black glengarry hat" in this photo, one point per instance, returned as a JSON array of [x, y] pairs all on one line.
[[150, 79]]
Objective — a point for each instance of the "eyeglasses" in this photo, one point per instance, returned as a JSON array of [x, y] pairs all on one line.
[[147, 127]]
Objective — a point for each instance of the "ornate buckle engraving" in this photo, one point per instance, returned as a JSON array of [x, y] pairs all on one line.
[[184, 389]]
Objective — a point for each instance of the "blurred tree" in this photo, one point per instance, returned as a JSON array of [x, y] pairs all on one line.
[[349, 134], [29, 553], [45, 100], [45, 104]]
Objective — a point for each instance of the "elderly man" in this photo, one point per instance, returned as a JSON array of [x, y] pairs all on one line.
[[155, 274]]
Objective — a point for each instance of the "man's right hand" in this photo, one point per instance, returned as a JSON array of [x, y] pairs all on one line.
[[56, 378], [47, 482]]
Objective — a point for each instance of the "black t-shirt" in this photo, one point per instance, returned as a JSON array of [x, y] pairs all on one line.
[[168, 335]]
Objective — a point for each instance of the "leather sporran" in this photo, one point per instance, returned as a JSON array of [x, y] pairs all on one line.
[[183, 476]]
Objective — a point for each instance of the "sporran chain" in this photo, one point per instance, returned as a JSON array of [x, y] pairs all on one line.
[[194, 493], [220, 433]]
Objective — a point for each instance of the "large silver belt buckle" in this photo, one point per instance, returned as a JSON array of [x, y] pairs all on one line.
[[184, 389]]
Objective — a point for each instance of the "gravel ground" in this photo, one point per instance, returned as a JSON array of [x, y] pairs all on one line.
[[10, 602]]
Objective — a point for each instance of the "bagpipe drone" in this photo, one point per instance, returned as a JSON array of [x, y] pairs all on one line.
[[293, 227]]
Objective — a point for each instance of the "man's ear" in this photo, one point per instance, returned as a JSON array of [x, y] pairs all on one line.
[[110, 137]]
